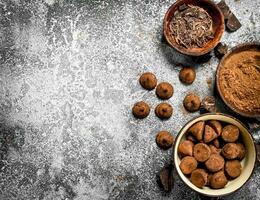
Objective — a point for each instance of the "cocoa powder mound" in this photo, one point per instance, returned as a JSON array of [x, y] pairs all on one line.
[[239, 81]]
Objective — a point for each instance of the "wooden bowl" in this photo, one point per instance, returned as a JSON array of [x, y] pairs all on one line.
[[233, 51], [247, 163], [218, 26]]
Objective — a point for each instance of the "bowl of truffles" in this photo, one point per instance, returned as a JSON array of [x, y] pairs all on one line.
[[214, 154], [193, 27]]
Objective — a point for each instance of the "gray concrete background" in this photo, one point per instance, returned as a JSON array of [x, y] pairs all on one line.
[[68, 79]]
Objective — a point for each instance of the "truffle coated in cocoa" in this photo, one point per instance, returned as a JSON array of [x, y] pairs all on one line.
[[197, 130], [216, 125], [164, 111], [215, 163], [230, 133], [186, 148], [141, 110], [230, 151], [164, 140], [164, 90], [191, 102], [233, 168], [187, 75], [218, 180], [148, 81], [209, 134], [199, 177], [201, 152], [188, 164], [242, 151]]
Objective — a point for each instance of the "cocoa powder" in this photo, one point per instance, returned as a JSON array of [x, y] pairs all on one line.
[[239, 81]]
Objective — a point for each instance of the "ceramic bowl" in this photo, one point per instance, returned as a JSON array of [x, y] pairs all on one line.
[[239, 48], [218, 26], [247, 163]]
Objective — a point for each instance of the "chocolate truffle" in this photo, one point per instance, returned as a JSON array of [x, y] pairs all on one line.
[[141, 110], [242, 151], [218, 180], [164, 140], [186, 148], [201, 152], [197, 130], [230, 151], [199, 177], [187, 75], [191, 103], [230, 133], [215, 163], [233, 168], [164, 90], [148, 81], [163, 110], [188, 164]]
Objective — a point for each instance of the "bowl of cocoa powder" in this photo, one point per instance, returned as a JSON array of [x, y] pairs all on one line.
[[238, 79], [193, 27]]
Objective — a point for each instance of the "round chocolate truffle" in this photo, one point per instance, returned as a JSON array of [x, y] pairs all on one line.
[[191, 102], [148, 81], [188, 164], [218, 180], [187, 75], [199, 177], [141, 110], [164, 140], [164, 90], [163, 110]]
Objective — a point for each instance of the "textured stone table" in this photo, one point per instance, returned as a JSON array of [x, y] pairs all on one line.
[[68, 79]]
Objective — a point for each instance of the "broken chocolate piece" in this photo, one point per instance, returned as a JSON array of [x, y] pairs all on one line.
[[166, 178], [224, 9], [208, 104], [220, 50], [232, 23]]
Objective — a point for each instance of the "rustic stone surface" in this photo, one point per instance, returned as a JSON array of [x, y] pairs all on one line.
[[68, 79]]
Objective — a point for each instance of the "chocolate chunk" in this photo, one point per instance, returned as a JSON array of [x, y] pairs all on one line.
[[220, 50], [166, 178], [183, 7], [224, 9], [208, 104], [232, 23]]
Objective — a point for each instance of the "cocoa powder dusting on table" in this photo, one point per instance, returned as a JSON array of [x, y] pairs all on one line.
[[239, 81]]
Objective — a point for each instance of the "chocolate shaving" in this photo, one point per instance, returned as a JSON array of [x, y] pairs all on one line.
[[191, 26], [166, 178]]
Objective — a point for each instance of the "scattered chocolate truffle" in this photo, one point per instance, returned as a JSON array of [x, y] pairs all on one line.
[[230, 151], [220, 50], [218, 180], [214, 150], [230, 133], [141, 110], [187, 75], [197, 130], [216, 125], [186, 148], [233, 168], [242, 151], [164, 110], [191, 103], [209, 134], [148, 81], [215, 163], [166, 178], [164, 90], [188, 164], [199, 177], [208, 104], [201, 152], [164, 140]]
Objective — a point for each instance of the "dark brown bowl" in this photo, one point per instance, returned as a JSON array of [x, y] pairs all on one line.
[[218, 26], [237, 49]]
